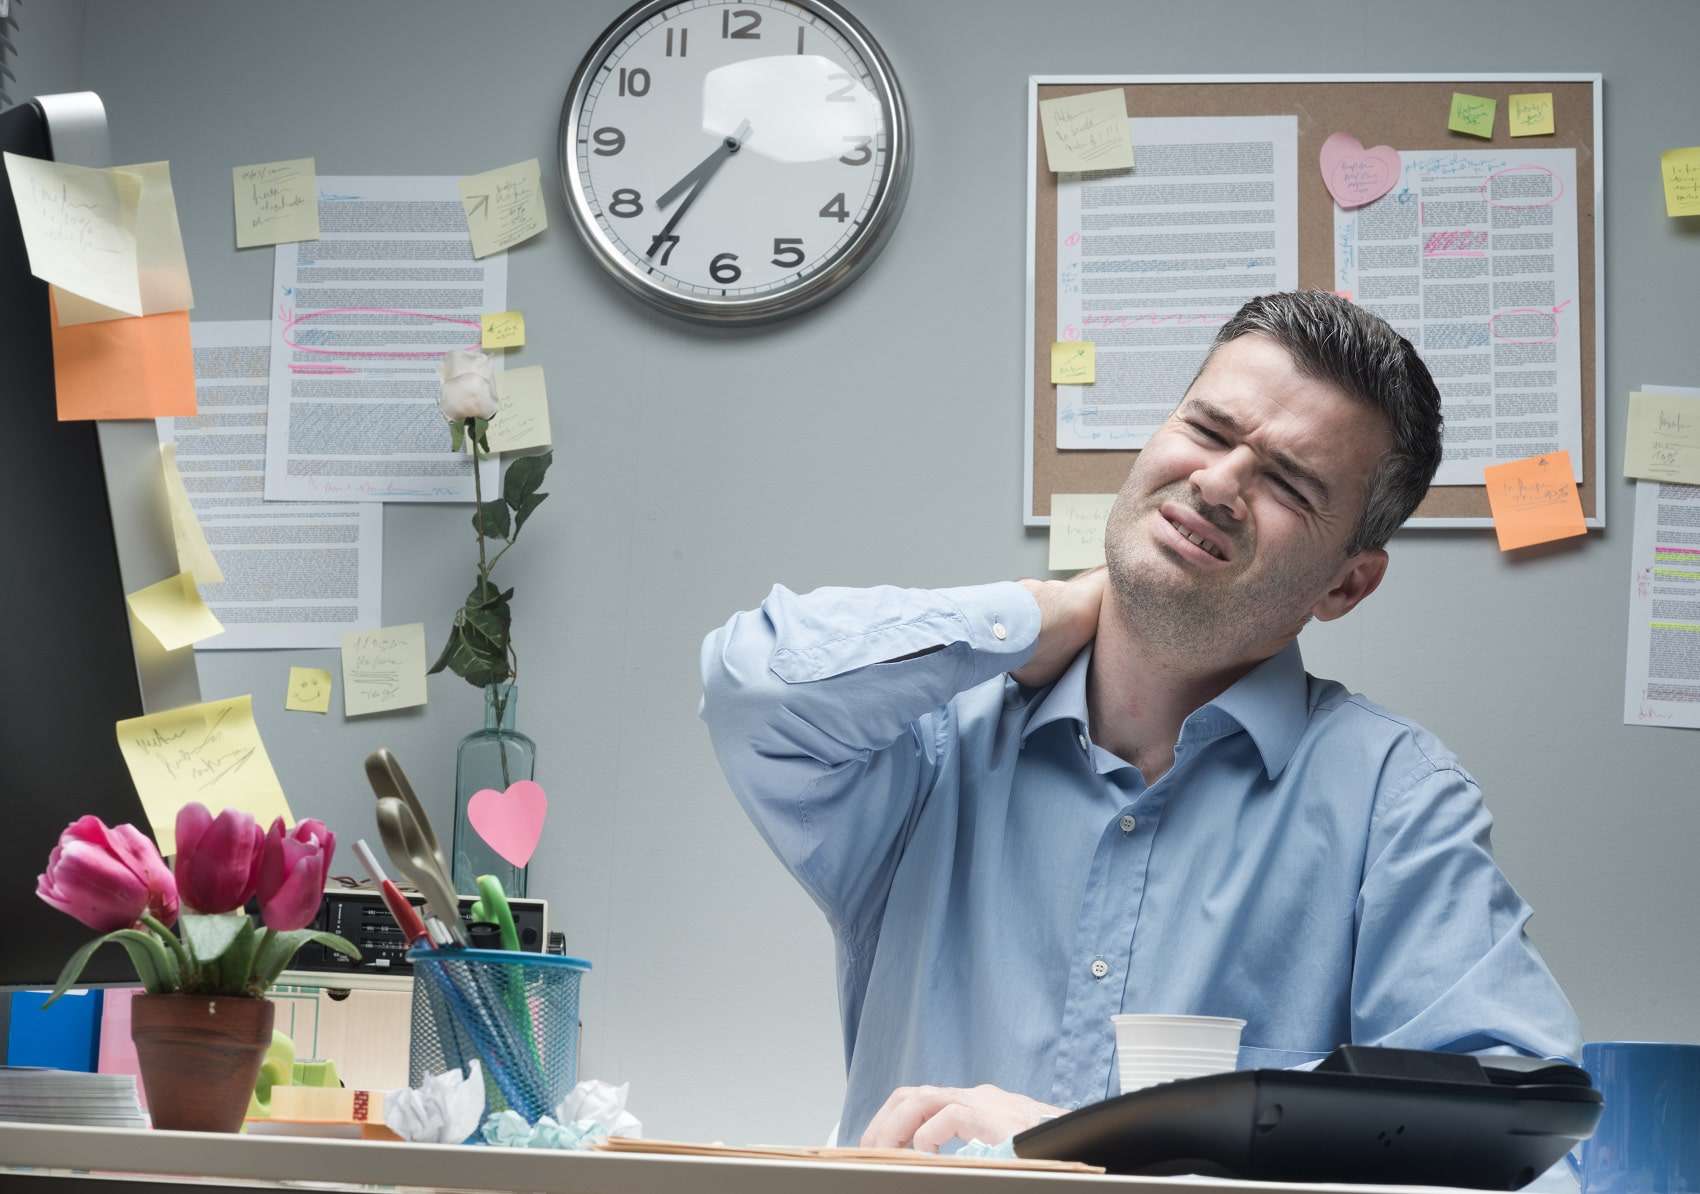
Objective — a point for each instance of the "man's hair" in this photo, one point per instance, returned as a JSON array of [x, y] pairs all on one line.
[[1338, 342]]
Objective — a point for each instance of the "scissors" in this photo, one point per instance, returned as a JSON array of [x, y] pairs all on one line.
[[407, 848], [385, 775]]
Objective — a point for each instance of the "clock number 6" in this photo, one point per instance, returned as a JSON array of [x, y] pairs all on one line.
[[722, 270], [788, 251]]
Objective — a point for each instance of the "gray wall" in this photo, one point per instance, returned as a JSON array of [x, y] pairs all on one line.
[[695, 469], [41, 49]]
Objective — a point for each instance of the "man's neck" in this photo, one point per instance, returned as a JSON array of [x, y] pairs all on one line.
[[1137, 695]]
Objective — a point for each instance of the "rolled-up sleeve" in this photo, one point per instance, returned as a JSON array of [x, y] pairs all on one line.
[[1443, 956], [825, 709]]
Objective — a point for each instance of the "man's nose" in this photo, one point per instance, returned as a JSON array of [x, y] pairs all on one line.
[[1222, 482]]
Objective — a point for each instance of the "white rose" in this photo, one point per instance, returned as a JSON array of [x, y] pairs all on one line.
[[469, 386]]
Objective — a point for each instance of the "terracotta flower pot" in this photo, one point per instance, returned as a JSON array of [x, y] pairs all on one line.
[[200, 1056]]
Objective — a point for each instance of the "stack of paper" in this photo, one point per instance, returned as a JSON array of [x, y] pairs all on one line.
[[40, 1096]]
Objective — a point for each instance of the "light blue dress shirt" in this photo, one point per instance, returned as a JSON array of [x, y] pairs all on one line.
[[999, 886]]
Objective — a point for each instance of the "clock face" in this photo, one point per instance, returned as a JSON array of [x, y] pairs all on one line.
[[734, 160]]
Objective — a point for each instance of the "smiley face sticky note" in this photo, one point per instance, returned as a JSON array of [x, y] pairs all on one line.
[[1355, 175], [1472, 114], [1534, 501], [1530, 114], [309, 690], [1073, 362]]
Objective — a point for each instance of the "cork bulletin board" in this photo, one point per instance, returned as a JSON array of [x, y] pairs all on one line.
[[1408, 112]]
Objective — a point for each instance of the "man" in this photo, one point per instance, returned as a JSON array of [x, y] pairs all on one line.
[[1027, 806]]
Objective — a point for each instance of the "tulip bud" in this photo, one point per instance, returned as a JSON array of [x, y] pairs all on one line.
[[469, 386], [293, 868], [107, 878], [217, 858]]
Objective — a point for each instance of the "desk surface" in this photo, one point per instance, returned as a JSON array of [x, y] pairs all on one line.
[[353, 1163]]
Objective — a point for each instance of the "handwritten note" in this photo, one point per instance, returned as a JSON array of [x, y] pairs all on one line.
[[209, 752], [504, 329], [123, 368], [1087, 132], [1534, 501], [194, 556], [162, 270], [1077, 529], [173, 612], [309, 690], [503, 207], [1472, 114], [1681, 170], [79, 229], [522, 411], [1664, 438], [383, 669], [276, 202], [1355, 175], [1530, 114], [1073, 362]]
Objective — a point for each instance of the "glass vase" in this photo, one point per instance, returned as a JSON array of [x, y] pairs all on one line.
[[494, 757]]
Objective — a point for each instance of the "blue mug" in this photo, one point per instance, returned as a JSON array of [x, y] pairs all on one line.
[[1648, 1138]]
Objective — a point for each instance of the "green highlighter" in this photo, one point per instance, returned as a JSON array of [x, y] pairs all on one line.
[[492, 908]]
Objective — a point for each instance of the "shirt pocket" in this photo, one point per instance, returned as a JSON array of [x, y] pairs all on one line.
[[1258, 1057]]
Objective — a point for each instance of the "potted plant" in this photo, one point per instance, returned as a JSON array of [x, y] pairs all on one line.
[[203, 1025]]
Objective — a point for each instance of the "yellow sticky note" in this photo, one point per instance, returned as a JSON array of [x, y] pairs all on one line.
[[1530, 114], [1664, 439], [173, 612], [522, 411], [309, 690], [504, 329], [1681, 170], [79, 227], [209, 753], [193, 554], [503, 207], [1077, 529], [276, 202], [1073, 362], [1087, 132], [1472, 114], [383, 669], [1534, 501]]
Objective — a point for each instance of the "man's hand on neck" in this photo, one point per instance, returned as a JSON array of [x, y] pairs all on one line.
[[1068, 618]]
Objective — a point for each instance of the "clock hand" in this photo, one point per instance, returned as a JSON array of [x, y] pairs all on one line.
[[695, 180]]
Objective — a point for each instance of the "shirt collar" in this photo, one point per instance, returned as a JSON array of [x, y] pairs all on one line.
[[1271, 703]]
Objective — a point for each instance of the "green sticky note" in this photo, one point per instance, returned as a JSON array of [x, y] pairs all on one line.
[[1472, 114]]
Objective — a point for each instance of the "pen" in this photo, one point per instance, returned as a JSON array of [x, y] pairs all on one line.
[[406, 916]]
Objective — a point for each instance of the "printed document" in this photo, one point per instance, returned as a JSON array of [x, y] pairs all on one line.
[[1472, 257], [1150, 264], [1662, 674], [360, 319], [296, 574]]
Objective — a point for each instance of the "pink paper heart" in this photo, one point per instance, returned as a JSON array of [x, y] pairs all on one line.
[[1355, 175], [511, 822]]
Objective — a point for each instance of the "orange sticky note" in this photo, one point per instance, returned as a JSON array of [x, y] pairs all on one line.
[[139, 368], [1534, 501]]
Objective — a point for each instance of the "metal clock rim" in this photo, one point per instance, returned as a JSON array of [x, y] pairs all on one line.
[[850, 261]]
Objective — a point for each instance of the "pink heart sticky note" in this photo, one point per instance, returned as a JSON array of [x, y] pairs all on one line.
[[511, 822], [1355, 175]]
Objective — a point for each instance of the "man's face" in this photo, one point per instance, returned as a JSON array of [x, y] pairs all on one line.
[[1231, 527]]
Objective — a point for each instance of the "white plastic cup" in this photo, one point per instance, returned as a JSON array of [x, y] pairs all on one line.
[[1151, 1049]]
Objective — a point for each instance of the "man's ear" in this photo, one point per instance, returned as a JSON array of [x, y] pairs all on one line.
[[1356, 580]]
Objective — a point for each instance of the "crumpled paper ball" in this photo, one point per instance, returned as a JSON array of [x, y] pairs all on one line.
[[444, 1110], [979, 1148], [593, 1111]]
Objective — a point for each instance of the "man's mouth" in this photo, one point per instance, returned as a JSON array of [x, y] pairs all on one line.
[[1192, 530]]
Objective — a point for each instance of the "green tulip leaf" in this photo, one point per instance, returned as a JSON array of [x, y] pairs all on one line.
[[154, 967], [208, 936], [235, 962], [279, 949]]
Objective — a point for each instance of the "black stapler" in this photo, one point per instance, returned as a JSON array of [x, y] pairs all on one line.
[[1363, 1115]]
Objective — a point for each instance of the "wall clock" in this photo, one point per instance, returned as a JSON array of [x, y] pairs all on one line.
[[735, 161]]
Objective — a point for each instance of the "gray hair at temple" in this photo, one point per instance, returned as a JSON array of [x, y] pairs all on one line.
[[1336, 341]]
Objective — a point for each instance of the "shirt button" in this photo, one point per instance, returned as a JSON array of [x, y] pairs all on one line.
[[1127, 824], [998, 631], [1082, 740], [1100, 968]]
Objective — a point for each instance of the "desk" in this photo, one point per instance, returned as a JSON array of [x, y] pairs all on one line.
[[242, 1162]]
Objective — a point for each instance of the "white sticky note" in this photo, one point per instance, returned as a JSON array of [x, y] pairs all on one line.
[[1663, 443], [1077, 529], [276, 202], [383, 669], [1087, 132], [162, 270], [503, 207], [522, 411], [79, 229]]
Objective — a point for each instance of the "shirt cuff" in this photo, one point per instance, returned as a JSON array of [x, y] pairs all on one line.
[[1002, 621]]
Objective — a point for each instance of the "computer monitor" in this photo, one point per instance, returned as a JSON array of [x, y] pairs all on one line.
[[68, 662]]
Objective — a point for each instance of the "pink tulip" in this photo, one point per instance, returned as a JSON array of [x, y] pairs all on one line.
[[107, 878], [293, 869], [218, 859]]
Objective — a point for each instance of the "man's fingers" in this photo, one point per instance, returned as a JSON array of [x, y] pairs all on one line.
[[953, 1120], [893, 1126]]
